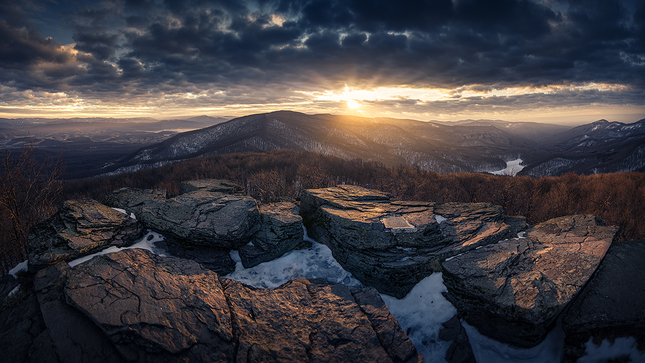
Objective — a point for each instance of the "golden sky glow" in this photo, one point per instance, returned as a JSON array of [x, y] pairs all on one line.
[[517, 60]]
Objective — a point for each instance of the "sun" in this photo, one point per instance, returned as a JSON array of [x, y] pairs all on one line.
[[353, 104]]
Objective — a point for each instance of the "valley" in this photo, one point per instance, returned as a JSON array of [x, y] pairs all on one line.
[[93, 147]]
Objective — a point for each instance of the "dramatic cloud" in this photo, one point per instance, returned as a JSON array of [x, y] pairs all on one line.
[[497, 57]]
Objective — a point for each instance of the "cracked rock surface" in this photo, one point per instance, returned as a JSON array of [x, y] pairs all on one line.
[[81, 227], [392, 245], [200, 217], [155, 308], [514, 290]]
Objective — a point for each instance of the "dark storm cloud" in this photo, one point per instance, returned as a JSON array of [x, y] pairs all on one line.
[[195, 44]]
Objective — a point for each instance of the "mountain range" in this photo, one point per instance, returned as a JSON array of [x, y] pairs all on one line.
[[106, 146], [466, 146]]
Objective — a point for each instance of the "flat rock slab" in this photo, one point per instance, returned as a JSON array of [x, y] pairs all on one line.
[[392, 245], [154, 308], [166, 309], [201, 217], [514, 290], [79, 228], [612, 305]]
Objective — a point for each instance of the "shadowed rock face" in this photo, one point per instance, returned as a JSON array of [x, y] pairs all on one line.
[[281, 231], [81, 227], [165, 309], [392, 245], [613, 302], [514, 290]]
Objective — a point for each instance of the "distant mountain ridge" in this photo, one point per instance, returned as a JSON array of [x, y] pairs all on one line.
[[469, 146]]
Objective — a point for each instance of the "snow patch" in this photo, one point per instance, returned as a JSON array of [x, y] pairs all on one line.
[[421, 313], [606, 351], [125, 212], [487, 350], [15, 290], [440, 219], [21, 267], [311, 263], [146, 243]]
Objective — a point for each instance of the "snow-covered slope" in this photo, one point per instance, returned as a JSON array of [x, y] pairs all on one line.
[[476, 146]]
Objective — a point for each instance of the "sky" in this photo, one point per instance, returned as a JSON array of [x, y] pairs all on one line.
[[569, 61]]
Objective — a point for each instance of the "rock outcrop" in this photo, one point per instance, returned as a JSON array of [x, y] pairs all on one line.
[[392, 245], [201, 217], [612, 305], [79, 228], [281, 231], [210, 185], [153, 308], [514, 290]]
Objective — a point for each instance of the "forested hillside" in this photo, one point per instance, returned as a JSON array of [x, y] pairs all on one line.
[[618, 198]]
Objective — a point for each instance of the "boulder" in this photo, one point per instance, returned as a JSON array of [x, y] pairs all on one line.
[[514, 290], [210, 185], [167, 309], [612, 305], [153, 308], [281, 231], [74, 337], [201, 217], [392, 245], [79, 228]]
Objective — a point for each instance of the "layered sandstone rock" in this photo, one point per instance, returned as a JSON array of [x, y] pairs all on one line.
[[201, 217], [81, 227], [391, 244], [514, 290]]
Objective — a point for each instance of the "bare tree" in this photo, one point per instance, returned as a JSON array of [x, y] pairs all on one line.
[[29, 192]]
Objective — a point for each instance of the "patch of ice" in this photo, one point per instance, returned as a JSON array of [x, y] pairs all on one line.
[[311, 263], [23, 266], [606, 351], [512, 168], [146, 243], [487, 350], [440, 219], [421, 313]]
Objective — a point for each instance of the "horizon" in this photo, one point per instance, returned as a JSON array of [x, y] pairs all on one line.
[[546, 61], [229, 118]]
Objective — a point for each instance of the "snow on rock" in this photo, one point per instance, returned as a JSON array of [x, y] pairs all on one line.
[[23, 266], [146, 243]]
